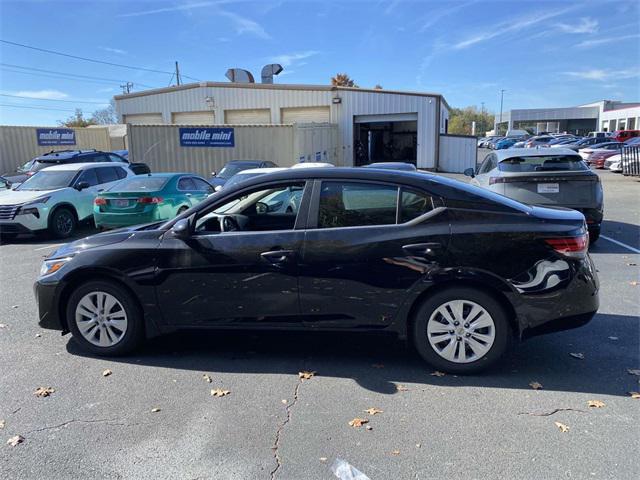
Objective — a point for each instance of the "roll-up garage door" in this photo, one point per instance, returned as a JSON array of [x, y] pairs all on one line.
[[193, 118], [143, 119], [248, 116], [305, 115]]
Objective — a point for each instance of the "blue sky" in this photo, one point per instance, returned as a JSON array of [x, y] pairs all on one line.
[[542, 53]]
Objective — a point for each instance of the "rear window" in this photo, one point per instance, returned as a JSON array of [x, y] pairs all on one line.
[[141, 184], [543, 164]]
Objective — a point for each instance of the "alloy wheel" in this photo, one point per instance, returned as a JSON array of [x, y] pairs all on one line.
[[101, 319], [461, 331], [64, 223]]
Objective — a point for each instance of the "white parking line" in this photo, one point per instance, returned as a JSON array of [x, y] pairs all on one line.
[[628, 247], [48, 246]]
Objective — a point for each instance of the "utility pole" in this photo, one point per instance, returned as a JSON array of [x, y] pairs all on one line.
[[177, 74], [126, 88], [501, 99], [482, 118]]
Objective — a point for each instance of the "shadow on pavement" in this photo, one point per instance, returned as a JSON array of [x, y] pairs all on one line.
[[623, 232], [543, 359], [45, 239]]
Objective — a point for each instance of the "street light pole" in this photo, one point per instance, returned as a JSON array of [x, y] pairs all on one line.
[[482, 118], [501, 99]]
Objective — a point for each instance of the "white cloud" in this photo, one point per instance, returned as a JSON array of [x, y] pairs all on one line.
[[605, 40], [288, 59], [435, 17], [510, 26], [42, 94], [391, 6], [604, 75], [245, 25], [176, 8], [586, 25], [113, 50]]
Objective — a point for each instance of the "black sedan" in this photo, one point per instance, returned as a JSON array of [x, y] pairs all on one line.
[[457, 270]]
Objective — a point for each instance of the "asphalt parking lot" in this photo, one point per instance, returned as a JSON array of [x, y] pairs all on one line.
[[274, 424]]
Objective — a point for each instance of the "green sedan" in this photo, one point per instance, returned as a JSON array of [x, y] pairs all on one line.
[[148, 198]]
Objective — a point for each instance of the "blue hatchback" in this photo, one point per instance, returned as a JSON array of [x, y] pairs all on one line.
[[506, 143]]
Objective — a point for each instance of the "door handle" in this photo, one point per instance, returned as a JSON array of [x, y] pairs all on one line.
[[277, 257], [423, 249]]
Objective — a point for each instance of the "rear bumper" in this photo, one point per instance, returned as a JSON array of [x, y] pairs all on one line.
[[115, 220]]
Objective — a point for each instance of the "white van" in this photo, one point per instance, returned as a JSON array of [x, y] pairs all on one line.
[[517, 133]]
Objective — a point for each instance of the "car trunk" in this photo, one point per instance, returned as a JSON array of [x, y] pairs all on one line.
[[126, 202], [569, 189]]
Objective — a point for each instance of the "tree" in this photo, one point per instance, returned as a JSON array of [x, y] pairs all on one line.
[[377, 87], [105, 116], [343, 80], [77, 120], [461, 119]]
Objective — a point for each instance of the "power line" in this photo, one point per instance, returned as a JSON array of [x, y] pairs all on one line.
[[5, 69], [71, 74], [131, 67], [51, 99], [36, 107]]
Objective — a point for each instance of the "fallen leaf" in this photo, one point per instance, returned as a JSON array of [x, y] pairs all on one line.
[[14, 306], [306, 375], [535, 385], [206, 378], [38, 335], [43, 391], [579, 356], [323, 459], [613, 338], [17, 440], [438, 373], [418, 445], [395, 452], [401, 388], [634, 394], [377, 365], [595, 403], [358, 422], [369, 427], [633, 372], [284, 401], [106, 373], [219, 392], [155, 410], [1, 424], [563, 428], [373, 411]]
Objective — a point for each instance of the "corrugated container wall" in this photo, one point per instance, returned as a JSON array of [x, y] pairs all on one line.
[[457, 153], [18, 145], [159, 147]]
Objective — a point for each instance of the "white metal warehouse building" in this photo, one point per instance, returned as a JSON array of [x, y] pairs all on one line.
[[372, 125]]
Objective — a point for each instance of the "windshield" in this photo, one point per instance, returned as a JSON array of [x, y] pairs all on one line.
[[26, 167], [49, 180], [543, 164], [140, 184], [230, 169]]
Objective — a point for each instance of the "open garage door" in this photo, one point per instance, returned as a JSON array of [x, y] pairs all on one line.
[[305, 115], [247, 116], [143, 119], [193, 118], [385, 138]]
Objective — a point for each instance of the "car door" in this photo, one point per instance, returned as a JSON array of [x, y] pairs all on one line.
[[83, 199], [234, 268], [366, 246]]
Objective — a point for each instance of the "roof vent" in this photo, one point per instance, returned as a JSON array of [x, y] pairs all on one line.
[[239, 75], [268, 71]]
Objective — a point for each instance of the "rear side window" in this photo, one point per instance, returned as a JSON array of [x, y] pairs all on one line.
[[107, 174], [121, 172], [543, 164], [352, 204], [186, 183], [413, 204]]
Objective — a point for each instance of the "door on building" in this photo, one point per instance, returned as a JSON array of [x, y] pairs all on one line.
[[385, 138]]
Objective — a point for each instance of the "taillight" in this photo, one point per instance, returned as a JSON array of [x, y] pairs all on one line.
[[100, 201], [575, 247], [150, 200]]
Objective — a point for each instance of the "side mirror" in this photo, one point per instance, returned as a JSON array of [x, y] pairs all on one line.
[[81, 186], [181, 229], [470, 172]]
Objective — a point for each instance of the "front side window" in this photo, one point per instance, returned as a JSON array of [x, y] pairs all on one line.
[[353, 204], [202, 186], [89, 176], [115, 158], [266, 209]]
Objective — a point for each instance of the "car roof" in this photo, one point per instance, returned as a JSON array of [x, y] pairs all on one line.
[[246, 162], [260, 170], [64, 154], [80, 166], [531, 152]]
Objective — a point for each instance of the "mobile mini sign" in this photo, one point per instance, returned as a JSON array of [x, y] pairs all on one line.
[[56, 136], [207, 137]]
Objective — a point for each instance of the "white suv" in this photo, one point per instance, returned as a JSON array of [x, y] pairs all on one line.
[[56, 198]]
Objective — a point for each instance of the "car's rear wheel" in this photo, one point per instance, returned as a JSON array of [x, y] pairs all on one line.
[[461, 330], [104, 318], [62, 223], [594, 235]]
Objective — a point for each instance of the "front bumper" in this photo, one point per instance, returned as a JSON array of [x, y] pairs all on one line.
[[47, 298]]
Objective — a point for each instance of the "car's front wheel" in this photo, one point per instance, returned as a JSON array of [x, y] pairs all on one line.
[[62, 223], [104, 318], [461, 330]]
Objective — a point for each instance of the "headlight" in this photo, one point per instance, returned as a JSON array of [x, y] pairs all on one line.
[[28, 208], [52, 266]]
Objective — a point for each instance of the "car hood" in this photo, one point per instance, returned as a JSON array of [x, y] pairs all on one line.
[[15, 197]]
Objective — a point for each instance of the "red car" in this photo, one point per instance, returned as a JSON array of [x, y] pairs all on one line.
[[624, 135], [597, 158]]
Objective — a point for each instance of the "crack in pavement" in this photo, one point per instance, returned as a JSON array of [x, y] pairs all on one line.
[[276, 443], [69, 422]]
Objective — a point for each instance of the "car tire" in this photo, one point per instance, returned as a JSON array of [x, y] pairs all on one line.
[[62, 223], [594, 235], [432, 336], [116, 331]]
